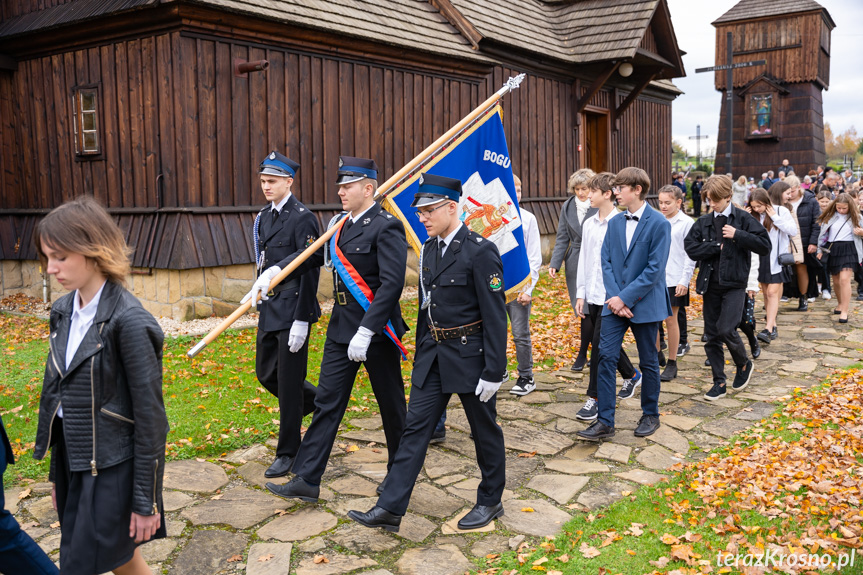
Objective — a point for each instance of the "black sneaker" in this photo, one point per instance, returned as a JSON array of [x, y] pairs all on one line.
[[523, 386], [683, 349], [716, 392], [629, 385], [589, 411], [765, 336], [741, 379]]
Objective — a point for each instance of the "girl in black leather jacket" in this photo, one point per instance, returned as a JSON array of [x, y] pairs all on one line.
[[101, 410]]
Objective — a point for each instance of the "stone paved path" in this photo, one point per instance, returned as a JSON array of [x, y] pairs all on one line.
[[221, 519]]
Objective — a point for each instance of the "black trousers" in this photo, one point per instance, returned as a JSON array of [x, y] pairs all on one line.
[[696, 204], [624, 365], [722, 311], [587, 329], [681, 323], [338, 374], [283, 374], [426, 406]]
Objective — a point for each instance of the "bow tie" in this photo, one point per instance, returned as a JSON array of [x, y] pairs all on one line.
[[628, 217]]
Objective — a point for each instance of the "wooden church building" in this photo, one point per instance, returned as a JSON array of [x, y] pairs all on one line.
[[148, 106], [777, 107]]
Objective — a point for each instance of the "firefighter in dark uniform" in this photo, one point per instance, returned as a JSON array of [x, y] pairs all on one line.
[[371, 245], [460, 348], [282, 231]]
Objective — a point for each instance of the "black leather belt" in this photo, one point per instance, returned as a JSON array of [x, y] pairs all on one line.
[[293, 284], [343, 297], [462, 331]]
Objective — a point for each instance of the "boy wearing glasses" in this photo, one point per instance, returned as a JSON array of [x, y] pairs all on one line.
[[367, 257], [460, 348]]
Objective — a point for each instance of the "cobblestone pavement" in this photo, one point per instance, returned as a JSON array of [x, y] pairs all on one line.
[[222, 520]]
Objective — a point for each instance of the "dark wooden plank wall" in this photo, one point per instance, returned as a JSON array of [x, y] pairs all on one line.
[[774, 41], [801, 130], [180, 130]]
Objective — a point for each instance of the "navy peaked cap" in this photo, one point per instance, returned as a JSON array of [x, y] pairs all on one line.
[[277, 164], [433, 189], [355, 169]]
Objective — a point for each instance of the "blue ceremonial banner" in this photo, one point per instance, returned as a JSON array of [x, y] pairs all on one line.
[[488, 206]]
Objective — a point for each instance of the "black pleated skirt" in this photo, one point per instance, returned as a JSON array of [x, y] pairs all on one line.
[[843, 256], [765, 277], [95, 512]]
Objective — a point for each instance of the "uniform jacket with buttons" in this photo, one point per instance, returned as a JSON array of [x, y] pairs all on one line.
[[465, 288], [376, 246], [637, 275], [111, 393], [281, 242]]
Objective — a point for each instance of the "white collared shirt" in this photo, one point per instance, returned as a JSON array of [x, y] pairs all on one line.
[[448, 240], [726, 212], [679, 269], [359, 215], [82, 319], [589, 283], [532, 245], [278, 207], [632, 224]]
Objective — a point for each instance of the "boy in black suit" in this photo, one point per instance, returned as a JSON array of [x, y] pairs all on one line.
[[371, 245], [461, 333], [282, 231]]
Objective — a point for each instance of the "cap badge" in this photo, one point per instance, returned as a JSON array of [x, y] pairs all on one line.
[[341, 163], [421, 179], [272, 155]]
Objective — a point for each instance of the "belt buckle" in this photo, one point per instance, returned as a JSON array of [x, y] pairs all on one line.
[[341, 298], [434, 333], [271, 293]]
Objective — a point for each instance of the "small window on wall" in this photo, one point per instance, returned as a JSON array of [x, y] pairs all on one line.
[[85, 106], [761, 114]]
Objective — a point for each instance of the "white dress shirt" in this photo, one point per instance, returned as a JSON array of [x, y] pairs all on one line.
[[679, 269], [448, 240], [532, 245], [632, 224], [359, 215], [278, 207], [590, 285], [82, 319]]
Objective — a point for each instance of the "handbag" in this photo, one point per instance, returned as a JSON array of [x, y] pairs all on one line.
[[788, 258], [748, 318]]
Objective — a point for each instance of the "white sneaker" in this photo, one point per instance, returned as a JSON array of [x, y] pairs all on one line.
[[825, 294], [811, 299]]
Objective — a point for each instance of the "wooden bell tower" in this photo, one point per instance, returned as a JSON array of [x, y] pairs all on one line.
[[777, 107]]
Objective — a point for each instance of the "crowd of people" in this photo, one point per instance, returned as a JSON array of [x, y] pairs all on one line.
[[628, 267]]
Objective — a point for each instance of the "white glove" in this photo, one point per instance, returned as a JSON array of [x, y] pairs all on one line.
[[360, 344], [298, 335], [486, 389], [262, 286]]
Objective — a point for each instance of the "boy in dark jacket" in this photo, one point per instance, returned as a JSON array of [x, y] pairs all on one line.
[[723, 241]]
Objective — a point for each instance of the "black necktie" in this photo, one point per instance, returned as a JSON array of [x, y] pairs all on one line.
[[275, 215], [633, 218], [347, 225], [439, 254]]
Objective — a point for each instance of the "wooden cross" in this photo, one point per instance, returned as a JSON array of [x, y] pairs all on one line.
[[729, 67], [698, 137]]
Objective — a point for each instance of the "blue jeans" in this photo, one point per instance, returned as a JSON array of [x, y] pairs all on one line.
[[19, 554], [611, 342]]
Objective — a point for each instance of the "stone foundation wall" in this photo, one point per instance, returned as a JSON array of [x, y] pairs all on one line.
[[178, 294]]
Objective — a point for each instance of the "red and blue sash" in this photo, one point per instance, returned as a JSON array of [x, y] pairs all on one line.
[[358, 287]]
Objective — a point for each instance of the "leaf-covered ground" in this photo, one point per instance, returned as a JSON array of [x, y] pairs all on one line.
[[784, 497]]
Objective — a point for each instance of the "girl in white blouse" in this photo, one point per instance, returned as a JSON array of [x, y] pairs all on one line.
[[840, 244], [780, 227]]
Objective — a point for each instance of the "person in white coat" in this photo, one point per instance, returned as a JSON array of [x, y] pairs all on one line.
[[780, 226]]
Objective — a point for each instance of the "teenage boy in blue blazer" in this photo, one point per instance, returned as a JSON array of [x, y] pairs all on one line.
[[633, 257]]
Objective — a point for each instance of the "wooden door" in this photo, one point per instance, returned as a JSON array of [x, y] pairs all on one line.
[[596, 142]]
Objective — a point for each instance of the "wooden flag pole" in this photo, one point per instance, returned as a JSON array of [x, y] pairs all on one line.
[[390, 185]]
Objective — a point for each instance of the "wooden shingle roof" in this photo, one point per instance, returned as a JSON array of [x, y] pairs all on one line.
[[63, 14], [751, 9], [414, 24], [576, 32]]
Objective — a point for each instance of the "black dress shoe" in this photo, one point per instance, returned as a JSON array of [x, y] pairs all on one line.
[[803, 305], [596, 431], [380, 488], [707, 362], [647, 425], [480, 516], [377, 517], [579, 364], [756, 349], [296, 488], [280, 467]]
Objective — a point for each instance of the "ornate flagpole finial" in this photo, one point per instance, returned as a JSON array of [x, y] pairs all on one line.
[[514, 83]]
